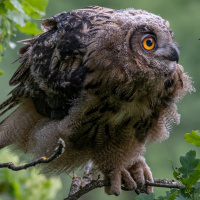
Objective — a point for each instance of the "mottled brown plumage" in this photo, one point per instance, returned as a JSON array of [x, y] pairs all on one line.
[[92, 80]]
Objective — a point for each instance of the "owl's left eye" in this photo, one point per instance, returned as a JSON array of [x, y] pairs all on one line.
[[149, 43]]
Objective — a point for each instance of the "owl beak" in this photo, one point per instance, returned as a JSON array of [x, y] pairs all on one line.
[[173, 55]]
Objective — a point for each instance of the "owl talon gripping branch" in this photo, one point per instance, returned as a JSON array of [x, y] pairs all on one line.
[[106, 82]]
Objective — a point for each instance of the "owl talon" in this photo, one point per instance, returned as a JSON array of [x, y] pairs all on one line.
[[132, 178], [128, 180], [116, 179], [141, 172]]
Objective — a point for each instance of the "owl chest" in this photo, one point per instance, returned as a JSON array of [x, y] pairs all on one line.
[[111, 122]]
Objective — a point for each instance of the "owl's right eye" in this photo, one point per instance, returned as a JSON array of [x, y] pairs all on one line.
[[149, 43]]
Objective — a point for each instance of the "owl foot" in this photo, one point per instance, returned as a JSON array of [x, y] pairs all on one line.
[[116, 178], [141, 172], [132, 178]]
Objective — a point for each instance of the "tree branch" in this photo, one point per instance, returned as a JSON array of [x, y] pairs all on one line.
[[164, 183], [101, 183], [91, 186], [79, 182], [57, 152], [81, 186]]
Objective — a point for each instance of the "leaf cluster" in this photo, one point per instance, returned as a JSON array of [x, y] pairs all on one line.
[[26, 184], [188, 174], [18, 15]]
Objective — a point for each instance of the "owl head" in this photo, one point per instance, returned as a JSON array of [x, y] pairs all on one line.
[[136, 43]]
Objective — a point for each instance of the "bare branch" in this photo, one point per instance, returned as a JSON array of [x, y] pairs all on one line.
[[75, 186], [81, 186], [88, 168], [164, 183], [79, 182], [101, 183], [91, 186], [57, 152]]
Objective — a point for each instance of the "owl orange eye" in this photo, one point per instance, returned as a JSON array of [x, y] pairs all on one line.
[[148, 43]]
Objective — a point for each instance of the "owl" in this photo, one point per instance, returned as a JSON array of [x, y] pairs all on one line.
[[105, 81]]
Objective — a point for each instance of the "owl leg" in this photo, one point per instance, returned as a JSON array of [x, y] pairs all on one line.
[[141, 172], [17, 126]]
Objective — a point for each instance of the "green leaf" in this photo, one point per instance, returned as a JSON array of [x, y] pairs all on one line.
[[175, 173], [35, 8], [182, 197], [198, 167], [9, 5], [173, 196], [170, 195], [2, 9], [193, 138], [196, 191], [189, 163], [145, 197], [17, 17], [29, 29], [1, 72], [17, 5], [193, 178]]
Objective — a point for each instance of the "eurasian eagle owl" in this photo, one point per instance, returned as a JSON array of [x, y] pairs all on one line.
[[106, 82]]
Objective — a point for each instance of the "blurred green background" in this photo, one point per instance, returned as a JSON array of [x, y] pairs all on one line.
[[184, 18]]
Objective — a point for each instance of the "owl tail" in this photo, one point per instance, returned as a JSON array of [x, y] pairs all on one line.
[[17, 126]]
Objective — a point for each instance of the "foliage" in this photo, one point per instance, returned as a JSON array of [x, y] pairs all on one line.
[[193, 138], [18, 15], [188, 174], [25, 184]]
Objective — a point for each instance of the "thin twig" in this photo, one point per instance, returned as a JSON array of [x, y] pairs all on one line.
[[57, 152], [164, 183], [78, 182], [87, 178], [88, 168]]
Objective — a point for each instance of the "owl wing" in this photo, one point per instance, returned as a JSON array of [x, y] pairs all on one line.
[[52, 69]]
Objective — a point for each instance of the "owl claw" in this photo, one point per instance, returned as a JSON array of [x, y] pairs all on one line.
[[140, 173], [118, 177], [128, 180], [133, 178]]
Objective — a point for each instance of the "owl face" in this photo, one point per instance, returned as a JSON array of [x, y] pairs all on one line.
[[151, 44], [153, 49], [138, 41]]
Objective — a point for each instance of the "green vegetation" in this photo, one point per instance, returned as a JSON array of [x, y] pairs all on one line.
[[18, 15], [188, 174], [25, 184]]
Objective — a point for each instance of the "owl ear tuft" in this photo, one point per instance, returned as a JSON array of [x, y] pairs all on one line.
[[166, 23], [51, 23]]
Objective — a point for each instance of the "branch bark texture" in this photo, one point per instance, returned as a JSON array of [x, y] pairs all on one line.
[[57, 152]]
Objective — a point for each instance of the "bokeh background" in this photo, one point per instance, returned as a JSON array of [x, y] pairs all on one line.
[[184, 18]]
